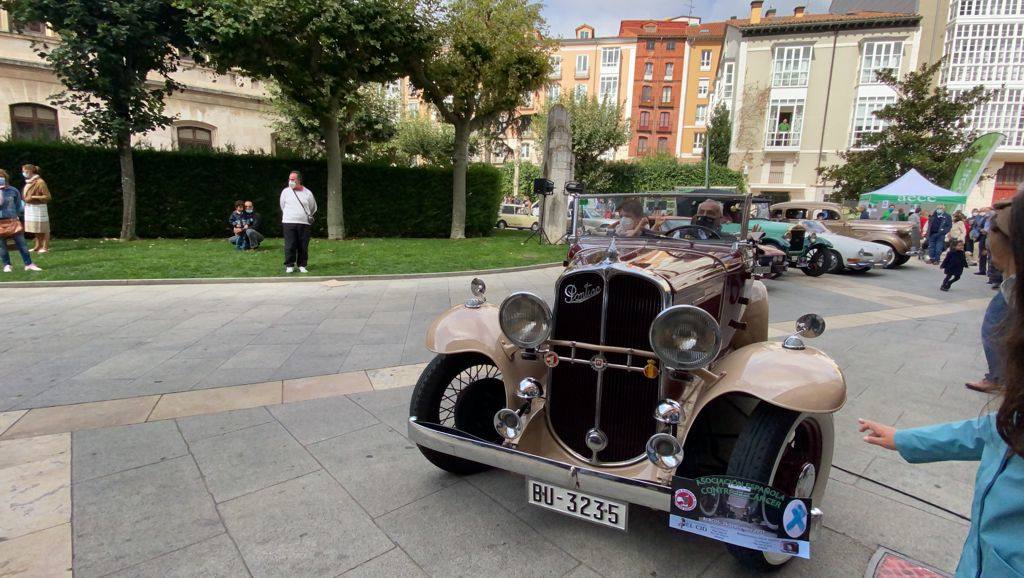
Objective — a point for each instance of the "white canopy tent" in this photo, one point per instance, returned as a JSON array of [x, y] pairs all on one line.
[[913, 189]]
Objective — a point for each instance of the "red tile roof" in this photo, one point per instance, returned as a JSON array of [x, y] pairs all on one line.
[[672, 28]]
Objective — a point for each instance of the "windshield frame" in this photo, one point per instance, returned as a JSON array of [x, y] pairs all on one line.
[[746, 198]]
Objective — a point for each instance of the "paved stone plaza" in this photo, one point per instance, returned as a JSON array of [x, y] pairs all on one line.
[[258, 429]]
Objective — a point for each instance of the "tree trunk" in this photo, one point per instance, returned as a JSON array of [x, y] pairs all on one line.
[[459, 181], [124, 152], [516, 160], [335, 212]]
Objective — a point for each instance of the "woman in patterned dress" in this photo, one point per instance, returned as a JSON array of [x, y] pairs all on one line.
[[36, 195]]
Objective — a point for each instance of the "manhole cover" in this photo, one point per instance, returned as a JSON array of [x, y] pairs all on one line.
[[887, 563]]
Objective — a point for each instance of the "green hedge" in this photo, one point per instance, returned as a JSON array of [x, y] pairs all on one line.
[[191, 193], [661, 173]]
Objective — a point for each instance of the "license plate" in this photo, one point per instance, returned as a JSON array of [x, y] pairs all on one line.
[[577, 504]]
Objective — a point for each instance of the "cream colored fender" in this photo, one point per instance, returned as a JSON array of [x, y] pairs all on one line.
[[755, 315], [476, 330], [800, 380]]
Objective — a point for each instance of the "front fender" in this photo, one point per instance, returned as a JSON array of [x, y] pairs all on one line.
[[462, 329], [800, 380]]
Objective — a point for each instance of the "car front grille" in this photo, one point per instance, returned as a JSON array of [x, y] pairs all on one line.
[[626, 306]]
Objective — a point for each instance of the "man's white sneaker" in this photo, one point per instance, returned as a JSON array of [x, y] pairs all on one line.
[[303, 270], [32, 267], [8, 269], [289, 269]]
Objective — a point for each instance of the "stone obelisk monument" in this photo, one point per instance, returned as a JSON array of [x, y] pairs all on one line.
[[557, 167]]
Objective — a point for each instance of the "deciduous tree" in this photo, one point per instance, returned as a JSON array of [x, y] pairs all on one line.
[[597, 127], [115, 58], [928, 130], [487, 55], [319, 52], [719, 134]]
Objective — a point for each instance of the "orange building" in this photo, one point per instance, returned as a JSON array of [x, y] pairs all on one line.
[[673, 84]]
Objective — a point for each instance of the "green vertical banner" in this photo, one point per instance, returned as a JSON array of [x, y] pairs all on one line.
[[969, 171]]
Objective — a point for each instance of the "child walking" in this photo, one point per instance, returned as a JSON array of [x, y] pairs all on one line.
[[953, 265]]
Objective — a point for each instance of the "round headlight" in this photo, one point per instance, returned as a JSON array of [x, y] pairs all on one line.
[[525, 319], [685, 337]]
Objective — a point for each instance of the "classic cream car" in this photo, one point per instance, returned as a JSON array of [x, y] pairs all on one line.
[[896, 235], [517, 217], [651, 368]]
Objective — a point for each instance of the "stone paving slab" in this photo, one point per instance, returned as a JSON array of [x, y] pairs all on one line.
[[216, 556]]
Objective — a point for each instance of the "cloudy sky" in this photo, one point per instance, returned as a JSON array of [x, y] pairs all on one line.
[[564, 16]]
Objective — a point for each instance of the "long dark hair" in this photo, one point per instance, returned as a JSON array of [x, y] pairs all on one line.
[[1010, 417]]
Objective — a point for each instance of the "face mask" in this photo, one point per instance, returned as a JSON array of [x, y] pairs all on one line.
[[248, 210], [3, 182], [939, 211], [26, 175], [293, 184]]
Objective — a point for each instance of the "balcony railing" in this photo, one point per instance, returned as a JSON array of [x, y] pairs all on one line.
[[581, 74], [780, 139]]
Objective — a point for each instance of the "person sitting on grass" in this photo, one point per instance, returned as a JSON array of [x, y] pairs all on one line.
[[251, 222], [235, 221]]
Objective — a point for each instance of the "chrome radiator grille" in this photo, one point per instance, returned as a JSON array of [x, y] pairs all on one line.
[[622, 405]]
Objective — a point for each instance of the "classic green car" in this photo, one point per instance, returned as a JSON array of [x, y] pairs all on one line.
[[807, 252]]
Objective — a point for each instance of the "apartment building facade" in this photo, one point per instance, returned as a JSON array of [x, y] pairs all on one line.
[[212, 111], [803, 87]]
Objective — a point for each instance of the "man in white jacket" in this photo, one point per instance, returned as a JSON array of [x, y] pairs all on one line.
[[297, 210]]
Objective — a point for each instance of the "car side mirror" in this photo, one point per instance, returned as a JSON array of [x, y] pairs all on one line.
[[810, 325], [575, 188]]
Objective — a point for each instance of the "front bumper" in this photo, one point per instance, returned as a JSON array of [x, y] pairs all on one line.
[[453, 442]]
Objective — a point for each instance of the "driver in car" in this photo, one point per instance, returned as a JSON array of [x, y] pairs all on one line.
[[709, 215]]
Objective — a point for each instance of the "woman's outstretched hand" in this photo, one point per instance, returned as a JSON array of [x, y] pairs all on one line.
[[878, 434]]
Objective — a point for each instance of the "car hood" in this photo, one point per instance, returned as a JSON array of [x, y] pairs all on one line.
[[870, 225], [850, 245]]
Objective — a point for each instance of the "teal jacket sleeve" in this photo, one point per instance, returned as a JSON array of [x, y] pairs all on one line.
[[959, 440]]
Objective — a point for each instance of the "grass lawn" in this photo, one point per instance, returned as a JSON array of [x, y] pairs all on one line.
[[80, 259]]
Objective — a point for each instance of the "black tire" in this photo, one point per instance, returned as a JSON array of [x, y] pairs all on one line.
[[760, 446], [899, 261], [463, 391], [836, 262], [534, 226], [818, 262], [501, 224]]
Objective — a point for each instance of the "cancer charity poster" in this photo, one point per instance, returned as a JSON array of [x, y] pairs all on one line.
[[742, 512]]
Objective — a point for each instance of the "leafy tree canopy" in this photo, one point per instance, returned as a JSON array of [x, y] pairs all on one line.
[[719, 135], [928, 130], [597, 127]]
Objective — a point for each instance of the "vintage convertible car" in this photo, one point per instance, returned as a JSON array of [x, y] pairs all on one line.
[[896, 235], [848, 253], [652, 365]]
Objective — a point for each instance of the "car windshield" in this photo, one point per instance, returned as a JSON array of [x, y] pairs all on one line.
[[683, 215], [814, 226]]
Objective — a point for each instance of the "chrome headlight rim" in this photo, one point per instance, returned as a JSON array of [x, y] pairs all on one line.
[[700, 315], [547, 319]]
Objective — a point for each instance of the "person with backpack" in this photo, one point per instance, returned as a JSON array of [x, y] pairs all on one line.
[[298, 207]]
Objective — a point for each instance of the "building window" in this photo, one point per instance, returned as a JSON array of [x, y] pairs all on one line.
[[645, 120], [705, 60], [413, 108], [670, 45], [669, 70], [556, 66], [645, 94], [702, 114], [987, 8], [791, 66], [698, 142], [648, 70], [728, 75], [581, 91], [650, 45], [641, 145], [662, 144], [665, 120], [986, 52], [702, 87], [194, 137], [584, 34], [609, 89], [524, 150], [864, 120], [582, 65], [777, 172], [554, 92], [610, 59], [32, 28], [879, 56], [528, 99], [785, 123], [1004, 113], [666, 94], [34, 122]]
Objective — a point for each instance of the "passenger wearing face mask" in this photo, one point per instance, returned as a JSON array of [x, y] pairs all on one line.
[[939, 225], [11, 206], [298, 207]]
